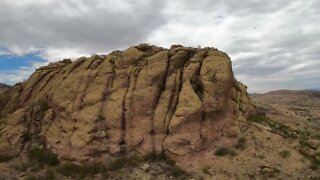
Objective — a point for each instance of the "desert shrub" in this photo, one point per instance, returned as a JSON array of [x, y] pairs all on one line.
[[177, 172], [153, 156], [43, 156], [23, 166], [206, 169], [100, 117], [315, 163], [284, 154], [241, 143], [31, 177], [310, 119], [118, 164], [49, 174], [27, 136], [6, 157], [305, 143], [272, 173], [315, 178], [42, 103], [259, 118], [174, 170], [222, 151], [81, 171], [276, 127], [70, 170]]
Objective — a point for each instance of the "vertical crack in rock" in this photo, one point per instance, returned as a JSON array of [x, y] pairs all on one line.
[[88, 79], [75, 65], [130, 106], [174, 99], [122, 142], [157, 99], [108, 88], [30, 90], [197, 86], [49, 79], [75, 108]]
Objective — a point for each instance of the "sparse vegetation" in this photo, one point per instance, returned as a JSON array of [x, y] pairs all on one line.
[[49, 174], [23, 166], [241, 143], [270, 172], [81, 171], [154, 156], [284, 154], [100, 117], [206, 170], [310, 119], [27, 136], [275, 126], [5, 157], [222, 151], [43, 156], [42, 103], [259, 118], [31, 177], [121, 162], [177, 172]]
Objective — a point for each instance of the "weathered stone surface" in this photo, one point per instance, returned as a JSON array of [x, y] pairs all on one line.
[[179, 100]]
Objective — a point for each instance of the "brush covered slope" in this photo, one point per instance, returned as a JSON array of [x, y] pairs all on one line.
[[179, 101]]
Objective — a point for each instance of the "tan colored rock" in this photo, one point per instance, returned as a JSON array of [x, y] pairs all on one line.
[[179, 100]]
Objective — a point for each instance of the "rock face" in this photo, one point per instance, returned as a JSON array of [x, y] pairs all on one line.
[[179, 100]]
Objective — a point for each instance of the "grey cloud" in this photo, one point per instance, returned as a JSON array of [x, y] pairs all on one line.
[[229, 7], [92, 25], [273, 45]]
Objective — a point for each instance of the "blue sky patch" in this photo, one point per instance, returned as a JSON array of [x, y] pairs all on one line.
[[13, 62]]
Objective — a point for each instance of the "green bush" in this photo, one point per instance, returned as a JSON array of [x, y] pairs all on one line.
[[259, 118], [177, 172], [42, 103], [43, 156], [27, 136], [6, 157], [81, 171], [100, 118], [284, 154], [315, 163], [241, 143], [222, 151], [31, 177], [117, 164], [49, 174], [206, 170], [70, 170], [158, 157], [23, 166]]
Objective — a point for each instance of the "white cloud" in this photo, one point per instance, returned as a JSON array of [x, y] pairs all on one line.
[[14, 76]]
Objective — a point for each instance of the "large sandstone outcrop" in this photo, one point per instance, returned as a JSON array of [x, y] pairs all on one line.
[[179, 100]]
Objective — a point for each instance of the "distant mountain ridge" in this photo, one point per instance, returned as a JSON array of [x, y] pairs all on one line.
[[3, 87]]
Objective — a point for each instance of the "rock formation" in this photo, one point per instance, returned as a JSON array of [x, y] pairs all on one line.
[[179, 100]]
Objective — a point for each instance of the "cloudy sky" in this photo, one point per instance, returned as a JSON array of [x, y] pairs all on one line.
[[273, 44]]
